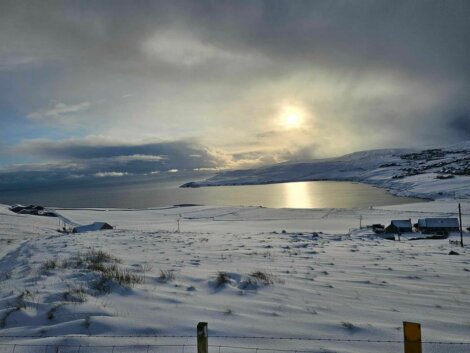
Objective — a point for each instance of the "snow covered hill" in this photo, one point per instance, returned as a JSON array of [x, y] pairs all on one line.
[[434, 173]]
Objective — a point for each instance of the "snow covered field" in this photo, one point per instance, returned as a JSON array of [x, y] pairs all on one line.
[[246, 271]]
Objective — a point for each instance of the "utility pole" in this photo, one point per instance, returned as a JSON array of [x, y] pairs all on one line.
[[460, 221], [178, 221], [360, 221]]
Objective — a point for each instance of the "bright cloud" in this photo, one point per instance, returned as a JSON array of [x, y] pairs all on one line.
[[110, 174]]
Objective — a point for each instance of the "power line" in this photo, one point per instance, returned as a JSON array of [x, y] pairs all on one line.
[[267, 349], [331, 339], [96, 336], [148, 347], [97, 346]]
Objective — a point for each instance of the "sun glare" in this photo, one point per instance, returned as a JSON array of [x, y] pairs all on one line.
[[291, 117]]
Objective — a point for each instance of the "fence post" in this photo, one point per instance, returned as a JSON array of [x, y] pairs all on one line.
[[412, 337], [202, 338]]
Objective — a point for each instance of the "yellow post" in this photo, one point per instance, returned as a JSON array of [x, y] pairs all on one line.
[[202, 338], [412, 337]]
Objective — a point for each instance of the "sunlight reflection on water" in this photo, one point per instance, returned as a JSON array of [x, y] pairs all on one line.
[[297, 195]]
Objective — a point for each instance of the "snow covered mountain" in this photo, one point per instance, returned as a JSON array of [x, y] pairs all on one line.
[[432, 173]]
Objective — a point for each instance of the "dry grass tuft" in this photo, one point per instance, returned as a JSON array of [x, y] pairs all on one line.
[[49, 265], [166, 275], [263, 277], [222, 279]]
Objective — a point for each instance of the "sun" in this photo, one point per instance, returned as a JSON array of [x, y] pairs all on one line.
[[292, 120], [290, 117]]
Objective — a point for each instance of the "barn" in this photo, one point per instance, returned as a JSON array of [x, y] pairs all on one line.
[[399, 226], [436, 225], [92, 227]]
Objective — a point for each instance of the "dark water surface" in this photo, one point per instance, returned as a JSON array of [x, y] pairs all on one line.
[[313, 194]]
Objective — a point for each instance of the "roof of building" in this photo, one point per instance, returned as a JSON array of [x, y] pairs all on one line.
[[438, 223], [92, 227], [401, 223]]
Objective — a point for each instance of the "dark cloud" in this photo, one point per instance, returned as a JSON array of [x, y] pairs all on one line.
[[179, 154], [80, 159], [429, 35], [461, 125]]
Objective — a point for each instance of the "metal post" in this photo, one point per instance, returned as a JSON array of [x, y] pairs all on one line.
[[460, 221], [202, 338], [412, 337]]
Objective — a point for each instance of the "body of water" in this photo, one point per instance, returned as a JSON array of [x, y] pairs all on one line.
[[313, 194]]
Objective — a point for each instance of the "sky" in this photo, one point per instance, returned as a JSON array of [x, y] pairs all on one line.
[[106, 89]]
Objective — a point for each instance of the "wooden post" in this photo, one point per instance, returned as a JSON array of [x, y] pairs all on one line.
[[202, 338], [460, 221], [412, 337]]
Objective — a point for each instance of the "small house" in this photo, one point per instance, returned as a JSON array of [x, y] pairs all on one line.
[[92, 227], [398, 226], [438, 225]]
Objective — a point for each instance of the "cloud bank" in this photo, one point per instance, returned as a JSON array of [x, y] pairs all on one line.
[[91, 158]]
